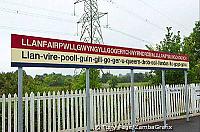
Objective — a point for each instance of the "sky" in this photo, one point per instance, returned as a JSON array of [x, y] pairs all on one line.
[[134, 24]]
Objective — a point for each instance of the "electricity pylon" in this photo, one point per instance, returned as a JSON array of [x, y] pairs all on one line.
[[90, 20], [91, 28]]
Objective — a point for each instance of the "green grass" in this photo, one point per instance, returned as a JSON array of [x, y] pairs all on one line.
[[105, 85], [135, 84]]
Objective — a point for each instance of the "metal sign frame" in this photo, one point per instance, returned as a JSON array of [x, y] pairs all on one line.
[[20, 66]]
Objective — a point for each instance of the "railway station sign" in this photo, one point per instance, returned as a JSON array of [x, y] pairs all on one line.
[[197, 92], [30, 51]]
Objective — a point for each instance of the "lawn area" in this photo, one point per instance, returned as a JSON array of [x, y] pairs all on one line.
[[105, 85]]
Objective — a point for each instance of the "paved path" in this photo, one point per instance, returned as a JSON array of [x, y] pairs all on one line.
[[180, 125]]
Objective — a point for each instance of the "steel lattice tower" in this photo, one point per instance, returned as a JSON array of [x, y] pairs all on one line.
[[91, 28]]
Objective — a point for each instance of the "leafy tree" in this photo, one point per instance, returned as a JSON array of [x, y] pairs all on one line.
[[79, 81], [113, 82], [172, 44], [105, 77], [191, 46]]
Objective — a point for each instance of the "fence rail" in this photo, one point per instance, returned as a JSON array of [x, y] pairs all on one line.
[[49, 112]]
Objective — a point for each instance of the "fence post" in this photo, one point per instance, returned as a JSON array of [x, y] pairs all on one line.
[[88, 98], [132, 102], [20, 101], [164, 98], [187, 96]]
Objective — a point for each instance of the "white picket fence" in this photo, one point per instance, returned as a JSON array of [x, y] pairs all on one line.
[[67, 111]]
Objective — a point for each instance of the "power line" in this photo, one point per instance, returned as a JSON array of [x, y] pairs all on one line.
[[135, 15], [129, 35], [20, 12], [162, 14], [35, 7], [34, 30]]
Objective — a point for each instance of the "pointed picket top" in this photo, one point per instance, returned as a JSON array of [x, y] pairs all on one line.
[[67, 92], [58, 93], [9, 95], [76, 92], [49, 93], [32, 94], [54, 93], [44, 93], [84, 92], [3, 96], [15, 95], [26, 95], [38, 94], [100, 91]]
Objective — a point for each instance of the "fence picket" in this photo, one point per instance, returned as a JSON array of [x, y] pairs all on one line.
[[67, 109], [105, 107], [3, 113], [81, 108], [26, 112], [108, 107], [63, 110], [84, 105], [15, 112], [38, 112], [98, 107], [76, 109], [118, 104], [72, 110], [44, 113], [9, 113], [115, 106], [49, 112], [125, 106], [32, 127], [54, 112], [58, 110], [91, 109], [94, 108], [111, 110], [101, 104]]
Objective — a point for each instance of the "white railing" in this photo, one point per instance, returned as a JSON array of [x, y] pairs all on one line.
[[67, 111]]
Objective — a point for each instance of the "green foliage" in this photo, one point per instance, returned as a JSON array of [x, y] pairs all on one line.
[[79, 81], [191, 46], [113, 82], [105, 77]]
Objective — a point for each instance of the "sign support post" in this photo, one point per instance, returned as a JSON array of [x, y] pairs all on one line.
[[164, 98], [20, 101], [132, 102], [88, 98], [186, 96]]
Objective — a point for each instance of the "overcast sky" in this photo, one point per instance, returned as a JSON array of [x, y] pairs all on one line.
[[144, 19]]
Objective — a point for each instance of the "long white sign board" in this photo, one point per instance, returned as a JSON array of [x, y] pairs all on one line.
[[29, 51]]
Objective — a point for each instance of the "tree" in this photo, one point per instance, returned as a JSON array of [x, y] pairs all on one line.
[[105, 77], [79, 81], [172, 44], [113, 82], [192, 48]]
